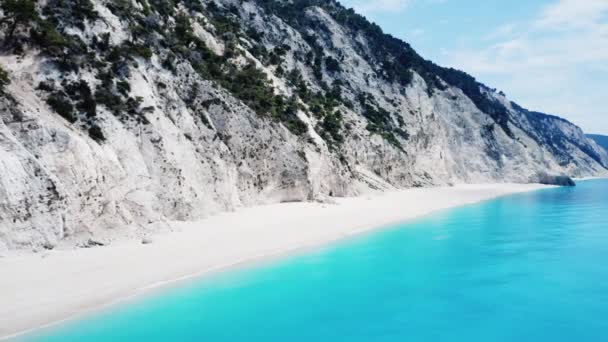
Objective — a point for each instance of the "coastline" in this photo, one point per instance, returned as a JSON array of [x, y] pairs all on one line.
[[44, 289], [582, 179]]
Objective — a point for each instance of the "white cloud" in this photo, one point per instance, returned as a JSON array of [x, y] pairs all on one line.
[[378, 6], [567, 14], [418, 32], [369, 6], [502, 31], [555, 62]]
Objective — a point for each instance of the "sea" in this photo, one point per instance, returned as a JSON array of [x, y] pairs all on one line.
[[526, 267]]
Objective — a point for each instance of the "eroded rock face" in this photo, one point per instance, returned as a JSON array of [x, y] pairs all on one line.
[[560, 180], [171, 119]]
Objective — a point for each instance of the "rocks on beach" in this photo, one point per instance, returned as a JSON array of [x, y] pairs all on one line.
[[560, 180]]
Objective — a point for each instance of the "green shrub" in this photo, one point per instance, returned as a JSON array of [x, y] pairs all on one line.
[[193, 5], [4, 79], [225, 24], [96, 133], [252, 87], [123, 87], [49, 39], [46, 86], [141, 50], [68, 52], [17, 13], [163, 7], [80, 92], [331, 127], [332, 65], [113, 102], [61, 104], [183, 29], [70, 13]]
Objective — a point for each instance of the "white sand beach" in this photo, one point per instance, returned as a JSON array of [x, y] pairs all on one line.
[[44, 288]]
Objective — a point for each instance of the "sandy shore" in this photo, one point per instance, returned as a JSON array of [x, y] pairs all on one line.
[[41, 289]]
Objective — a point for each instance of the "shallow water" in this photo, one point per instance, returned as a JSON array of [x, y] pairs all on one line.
[[530, 267]]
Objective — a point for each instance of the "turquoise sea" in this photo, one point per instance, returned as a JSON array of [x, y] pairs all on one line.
[[530, 267]]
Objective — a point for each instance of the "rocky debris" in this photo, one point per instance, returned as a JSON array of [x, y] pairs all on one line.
[[48, 246], [560, 180], [91, 243]]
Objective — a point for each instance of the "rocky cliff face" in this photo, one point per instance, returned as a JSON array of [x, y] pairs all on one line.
[[123, 114], [601, 140]]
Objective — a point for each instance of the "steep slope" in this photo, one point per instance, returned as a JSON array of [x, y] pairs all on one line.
[[601, 140], [123, 114]]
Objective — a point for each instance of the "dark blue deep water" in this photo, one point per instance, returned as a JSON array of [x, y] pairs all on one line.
[[531, 267]]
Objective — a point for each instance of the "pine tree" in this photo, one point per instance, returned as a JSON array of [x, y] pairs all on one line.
[[16, 13]]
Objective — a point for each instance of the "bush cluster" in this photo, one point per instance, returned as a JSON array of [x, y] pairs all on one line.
[[380, 120], [4, 80], [62, 105]]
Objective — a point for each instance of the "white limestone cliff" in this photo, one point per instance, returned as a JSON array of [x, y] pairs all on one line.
[[203, 151]]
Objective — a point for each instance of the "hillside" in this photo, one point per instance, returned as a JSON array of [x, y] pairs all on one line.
[[601, 140], [120, 115]]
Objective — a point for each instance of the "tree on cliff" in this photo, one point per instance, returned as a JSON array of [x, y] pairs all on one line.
[[4, 79], [17, 13]]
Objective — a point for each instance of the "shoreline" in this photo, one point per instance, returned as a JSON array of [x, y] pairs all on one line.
[[582, 179], [43, 290]]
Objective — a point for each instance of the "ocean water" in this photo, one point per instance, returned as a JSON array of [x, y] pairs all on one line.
[[530, 267]]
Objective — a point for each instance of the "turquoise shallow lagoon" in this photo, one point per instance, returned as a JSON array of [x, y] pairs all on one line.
[[529, 267]]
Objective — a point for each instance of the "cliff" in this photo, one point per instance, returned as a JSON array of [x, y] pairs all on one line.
[[121, 115]]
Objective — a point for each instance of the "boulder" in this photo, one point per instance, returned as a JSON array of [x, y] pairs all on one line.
[[560, 180]]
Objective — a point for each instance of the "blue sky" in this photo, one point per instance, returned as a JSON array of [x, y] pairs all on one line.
[[547, 55]]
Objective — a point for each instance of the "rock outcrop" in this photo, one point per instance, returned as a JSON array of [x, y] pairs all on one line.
[[560, 180]]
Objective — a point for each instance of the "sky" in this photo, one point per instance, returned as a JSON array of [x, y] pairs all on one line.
[[547, 55]]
